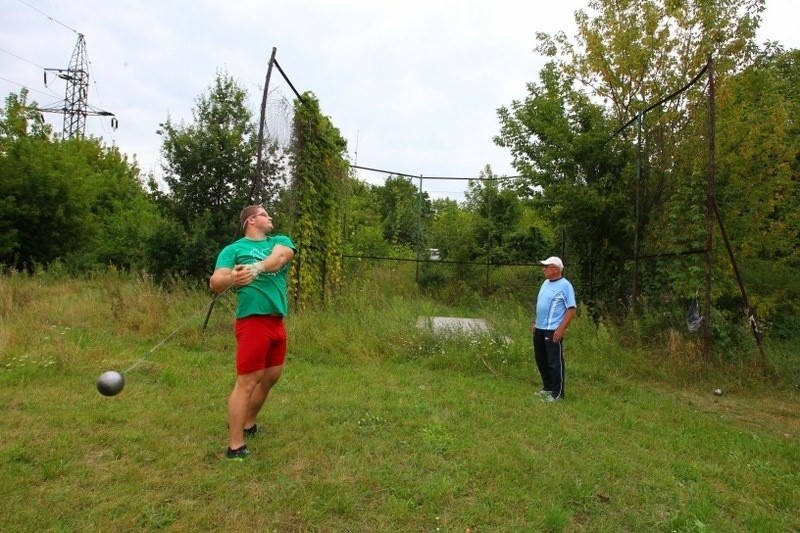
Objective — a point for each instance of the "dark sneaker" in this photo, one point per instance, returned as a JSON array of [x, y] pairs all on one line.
[[238, 454], [249, 432]]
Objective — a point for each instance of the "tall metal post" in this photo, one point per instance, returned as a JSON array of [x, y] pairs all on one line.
[[710, 203], [489, 190], [637, 224], [419, 225], [259, 177]]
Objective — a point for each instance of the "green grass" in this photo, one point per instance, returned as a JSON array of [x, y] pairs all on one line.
[[375, 425]]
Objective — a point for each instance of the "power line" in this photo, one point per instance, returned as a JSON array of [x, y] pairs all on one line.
[[21, 84], [30, 89], [48, 16], [493, 178], [21, 58]]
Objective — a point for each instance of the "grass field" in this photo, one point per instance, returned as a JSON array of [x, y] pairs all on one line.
[[375, 425]]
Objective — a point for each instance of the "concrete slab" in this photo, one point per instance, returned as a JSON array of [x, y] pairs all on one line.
[[453, 324]]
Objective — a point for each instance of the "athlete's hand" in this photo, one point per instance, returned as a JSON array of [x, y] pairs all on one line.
[[242, 275], [255, 269]]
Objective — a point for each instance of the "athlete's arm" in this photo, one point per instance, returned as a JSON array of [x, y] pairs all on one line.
[[276, 260], [223, 278]]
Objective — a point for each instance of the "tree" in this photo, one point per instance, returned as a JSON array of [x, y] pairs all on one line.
[[626, 56], [404, 213], [363, 231], [758, 169], [121, 217], [452, 232], [631, 51], [208, 168], [577, 175], [501, 235], [73, 200]]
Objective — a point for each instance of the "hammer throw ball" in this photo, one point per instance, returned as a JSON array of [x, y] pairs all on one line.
[[110, 383]]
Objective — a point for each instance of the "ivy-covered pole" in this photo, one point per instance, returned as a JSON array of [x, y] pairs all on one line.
[[319, 176]]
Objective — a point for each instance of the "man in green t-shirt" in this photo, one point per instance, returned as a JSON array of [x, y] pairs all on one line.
[[257, 267]]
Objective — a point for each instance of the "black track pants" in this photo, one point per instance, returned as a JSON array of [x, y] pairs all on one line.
[[549, 358]]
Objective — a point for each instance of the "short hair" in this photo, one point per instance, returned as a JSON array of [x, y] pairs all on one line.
[[246, 213]]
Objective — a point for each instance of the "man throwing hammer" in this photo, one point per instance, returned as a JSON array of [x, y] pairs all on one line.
[[257, 267]]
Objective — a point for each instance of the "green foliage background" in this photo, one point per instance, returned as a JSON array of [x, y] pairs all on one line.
[[586, 191], [74, 201]]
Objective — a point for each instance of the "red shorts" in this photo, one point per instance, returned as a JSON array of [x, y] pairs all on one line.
[[260, 343]]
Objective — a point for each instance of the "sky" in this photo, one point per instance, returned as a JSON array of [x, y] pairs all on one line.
[[413, 85]]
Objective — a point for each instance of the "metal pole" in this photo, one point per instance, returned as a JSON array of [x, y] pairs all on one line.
[[635, 287], [751, 315], [259, 165], [419, 226], [489, 191], [261, 127], [709, 208]]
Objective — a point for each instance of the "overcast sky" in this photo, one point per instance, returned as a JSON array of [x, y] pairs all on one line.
[[412, 85]]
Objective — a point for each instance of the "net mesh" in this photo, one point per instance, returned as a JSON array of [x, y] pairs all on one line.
[[275, 139]]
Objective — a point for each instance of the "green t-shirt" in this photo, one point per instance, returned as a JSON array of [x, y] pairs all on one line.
[[266, 295]]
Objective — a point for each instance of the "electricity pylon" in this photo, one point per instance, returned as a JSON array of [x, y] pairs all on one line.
[[75, 106]]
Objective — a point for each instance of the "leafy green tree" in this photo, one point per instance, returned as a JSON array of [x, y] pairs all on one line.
[[209, 170], [20, 120], [629, 53], [73, 200], [209, 164], [121, 216], [404, 215], [452, 232], [576, 172], [758, 184], [626, 56], [362, 221], [501, 234]]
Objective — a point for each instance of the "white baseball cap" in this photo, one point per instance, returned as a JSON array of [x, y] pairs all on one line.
[[555, 261]]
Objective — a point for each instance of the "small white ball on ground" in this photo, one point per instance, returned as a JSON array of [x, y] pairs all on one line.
[[718, 392], [110, 383]]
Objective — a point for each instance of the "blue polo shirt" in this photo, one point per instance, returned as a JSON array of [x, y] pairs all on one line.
[[555, 297]]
